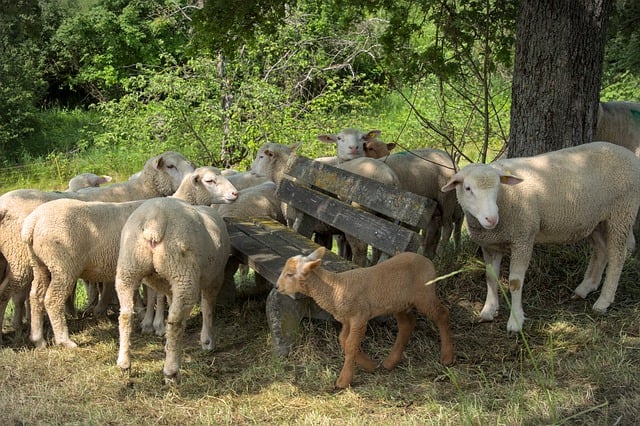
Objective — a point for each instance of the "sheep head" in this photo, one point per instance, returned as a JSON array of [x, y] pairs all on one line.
[[477, 187], [293, 277]]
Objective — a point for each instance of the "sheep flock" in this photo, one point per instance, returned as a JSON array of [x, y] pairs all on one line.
[[158, 241]]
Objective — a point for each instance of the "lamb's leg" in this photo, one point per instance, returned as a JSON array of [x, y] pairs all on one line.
[[406, 323], [179, 309], [492, 260], [356, 332], [362, 359], [616, 253], [60, 288], [125, 289], [431, 307], [520, 258], [597, 263]]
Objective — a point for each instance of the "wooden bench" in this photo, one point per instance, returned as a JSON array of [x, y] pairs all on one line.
[[390, 221]]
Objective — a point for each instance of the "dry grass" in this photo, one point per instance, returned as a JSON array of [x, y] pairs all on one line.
[[567, 367]]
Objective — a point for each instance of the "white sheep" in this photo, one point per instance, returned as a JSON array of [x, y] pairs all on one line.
[[589, 191], [424, 171], [619, 123], [353, 297], [378, 171], [349, 144], [70, 239], [160, 176], [181, 251], [87, 180]]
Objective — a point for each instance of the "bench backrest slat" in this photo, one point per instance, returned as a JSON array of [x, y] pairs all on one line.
[[376, 231], [406, 207]]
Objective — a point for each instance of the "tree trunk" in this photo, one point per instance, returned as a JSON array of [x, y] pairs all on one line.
[[557, 73]]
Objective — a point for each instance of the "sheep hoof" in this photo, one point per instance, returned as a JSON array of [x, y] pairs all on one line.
[[576, 296], [172, 379], [600, 307], [69, 344]]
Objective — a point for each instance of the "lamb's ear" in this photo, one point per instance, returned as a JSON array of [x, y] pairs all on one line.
[[309, 266], [316, 255], [391, 145], [328, 138], [455, 180], [372, 134], [508, 179]]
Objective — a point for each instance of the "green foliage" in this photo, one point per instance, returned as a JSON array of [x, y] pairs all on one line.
[[20, 74]]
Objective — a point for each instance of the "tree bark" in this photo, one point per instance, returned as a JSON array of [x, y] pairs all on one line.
[[557, 73]]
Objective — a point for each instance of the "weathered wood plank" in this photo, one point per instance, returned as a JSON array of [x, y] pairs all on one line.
[[379, 232], [265, 245], [404, 206]]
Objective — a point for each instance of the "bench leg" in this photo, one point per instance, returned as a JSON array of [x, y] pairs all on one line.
[[284, 315], [227, 294]]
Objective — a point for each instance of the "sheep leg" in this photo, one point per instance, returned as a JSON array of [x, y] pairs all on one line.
[[431, 236], [354, 335], [179, 310], [597, 264], [520, 258], [406, 323], [431, 307], [60, 288], [106, 293], [492, 260], [19, 299], [208, 306], [36, 299], [447, 230], [616, 253], [158, 318], [125, 289], [147, 320]]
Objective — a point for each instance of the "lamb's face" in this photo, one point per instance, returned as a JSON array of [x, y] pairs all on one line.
[[289, 280]]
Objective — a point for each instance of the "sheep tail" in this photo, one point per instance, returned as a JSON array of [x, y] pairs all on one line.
[[153, 230], [28, 228]]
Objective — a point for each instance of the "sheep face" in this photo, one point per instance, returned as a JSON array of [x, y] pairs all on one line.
[[269, 156], [217, 186], [295, 272], [477, 188], [173, 165], [350, 142]]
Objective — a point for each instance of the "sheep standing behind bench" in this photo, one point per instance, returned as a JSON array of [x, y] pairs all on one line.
[[589, 191], [353, 297], [349, 144], [424, 171], [160, 177], [181, 251], [70, 239], [87, 180]]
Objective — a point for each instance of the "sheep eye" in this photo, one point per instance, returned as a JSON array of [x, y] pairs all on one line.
[[467, 188], [210, 181], [170, 166]]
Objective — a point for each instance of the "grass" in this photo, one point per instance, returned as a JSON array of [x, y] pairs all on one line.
[[568, 366]]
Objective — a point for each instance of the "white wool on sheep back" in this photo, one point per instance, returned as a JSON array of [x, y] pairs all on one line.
[[160, 176], [87, 180], [69, 239], [619, 123], [179, 250], [591, 192]]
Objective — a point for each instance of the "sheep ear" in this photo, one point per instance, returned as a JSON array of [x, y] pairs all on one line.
[[195, 178], [372, 134], [294, 147], [509, 179], [453, 182], [328, 138], [158, 162]]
